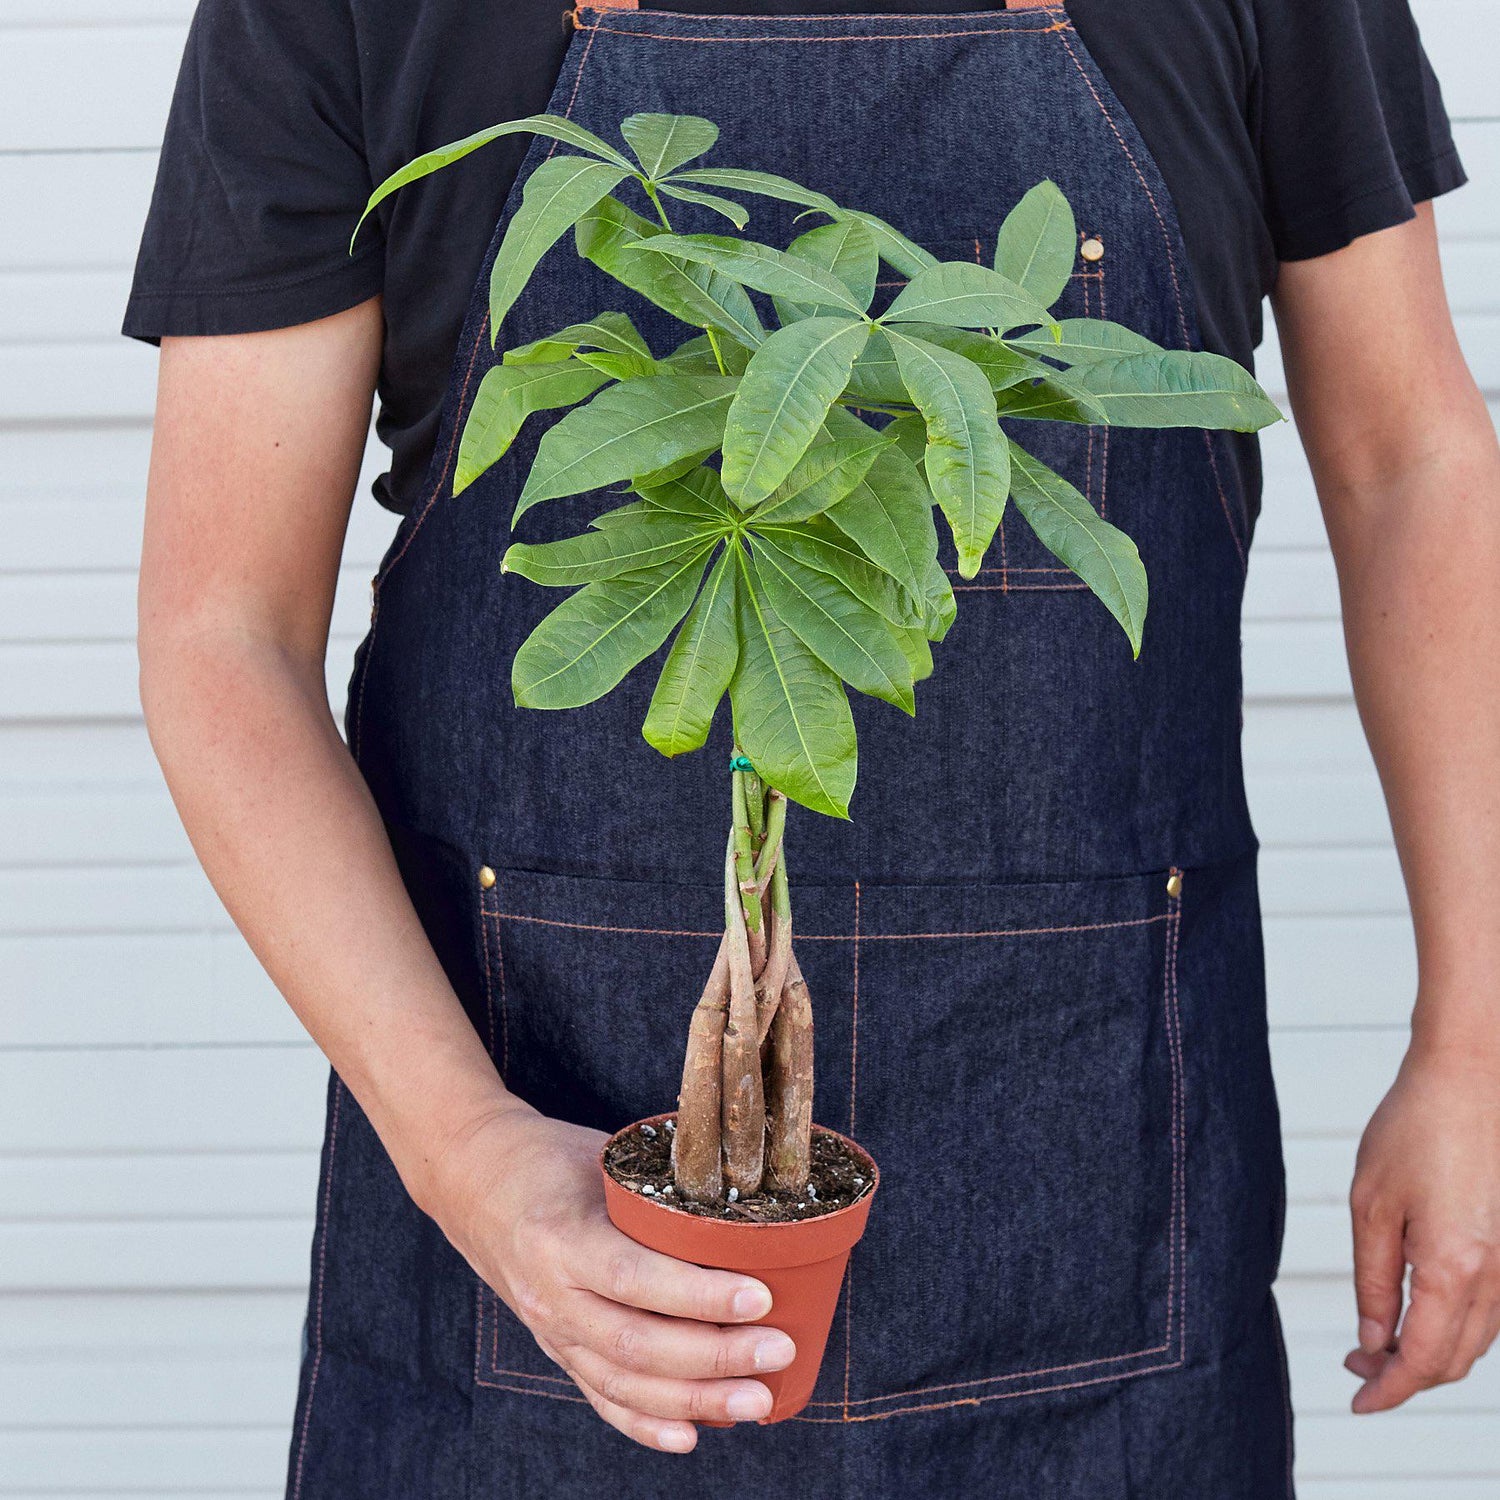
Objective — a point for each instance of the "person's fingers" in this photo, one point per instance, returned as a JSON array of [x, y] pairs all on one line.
[[677, 1348], [1379, 1265], [663, 1435], [661, 1396], [1426, 1344], [1475, 1337], [605, 1261], [1366, 1366]]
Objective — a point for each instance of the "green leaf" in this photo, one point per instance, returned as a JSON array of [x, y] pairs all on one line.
[[940, 607], [1081, 539], [918, 652], [875, 378], [621, 515], [845, 249], [627, 547], [556, 126], [845, 634], [1176, 388], [898, 252], [727, 207], [594, 637], [819, 544], [610, 331], [621, 366], [824, 475], [1085, 340], [629, 429], [964, 295], [507, 395], [968, 466], [894, 247], [1003, 366], [1038, 243], [698, 668], [888, 515], [696, 294], [790, 713], [755, 265], [555, 197], [785, 395], [696, 356], [766, 184], [1056, 397], [910, 433], [662, 143], [696, 494], [686, 465]]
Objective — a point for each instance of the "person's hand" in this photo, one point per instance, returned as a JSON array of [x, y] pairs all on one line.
[[1427, 1192], [639, 1333]]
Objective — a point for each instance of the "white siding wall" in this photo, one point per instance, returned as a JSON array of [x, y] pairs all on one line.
[[159, 1109]]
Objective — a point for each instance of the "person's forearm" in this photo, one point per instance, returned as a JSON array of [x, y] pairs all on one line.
[[288, 833], [1419, 572]]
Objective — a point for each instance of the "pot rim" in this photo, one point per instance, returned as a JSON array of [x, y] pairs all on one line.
[[788, 1227]]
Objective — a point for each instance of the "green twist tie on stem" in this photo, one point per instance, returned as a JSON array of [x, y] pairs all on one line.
[[740, 763]]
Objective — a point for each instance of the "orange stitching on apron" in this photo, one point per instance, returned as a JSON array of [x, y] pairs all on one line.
[[312, 1379], [957, 1385], [1074, 1385], [1176, 1242], [1179, 1112], [895, 36], [809, 20], [1166, 236], [840, 937], [1008, 587], [853, 1092], [484, 940], [1104, 439], [521, 1390]]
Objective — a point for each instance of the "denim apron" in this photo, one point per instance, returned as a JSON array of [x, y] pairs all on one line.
[[1034, 954]]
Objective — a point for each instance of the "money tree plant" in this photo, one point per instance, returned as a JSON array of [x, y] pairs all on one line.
[[767, 494]]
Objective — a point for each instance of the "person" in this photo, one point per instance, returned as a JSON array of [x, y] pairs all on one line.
[[1035, 951]]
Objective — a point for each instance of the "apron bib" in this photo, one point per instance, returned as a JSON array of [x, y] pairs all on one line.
[[1034, 954]]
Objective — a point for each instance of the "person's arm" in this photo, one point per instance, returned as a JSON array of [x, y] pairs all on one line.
[[1408, 474], [256, 456]]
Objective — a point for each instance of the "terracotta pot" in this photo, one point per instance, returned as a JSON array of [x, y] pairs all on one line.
[[801, 1262]]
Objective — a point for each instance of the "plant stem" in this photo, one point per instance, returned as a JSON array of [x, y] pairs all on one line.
[[770, 849], [744, 1105], [666, 223], [744, 855], [697, 1149], [789, 1093], [778, 961]]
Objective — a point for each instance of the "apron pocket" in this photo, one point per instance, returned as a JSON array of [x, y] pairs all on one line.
[[1010, 1054], [1017, 1072]]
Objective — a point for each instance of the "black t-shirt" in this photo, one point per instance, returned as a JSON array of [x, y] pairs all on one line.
[[1284, 130]]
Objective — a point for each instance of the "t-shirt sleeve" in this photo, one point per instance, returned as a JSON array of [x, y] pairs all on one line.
[[261, 179], [1352, 129]]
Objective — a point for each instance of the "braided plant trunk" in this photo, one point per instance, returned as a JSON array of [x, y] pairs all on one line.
[[744, 1115]]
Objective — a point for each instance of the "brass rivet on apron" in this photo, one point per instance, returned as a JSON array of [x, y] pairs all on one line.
[[1174, 885], [486, 878], [1092, 248]]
